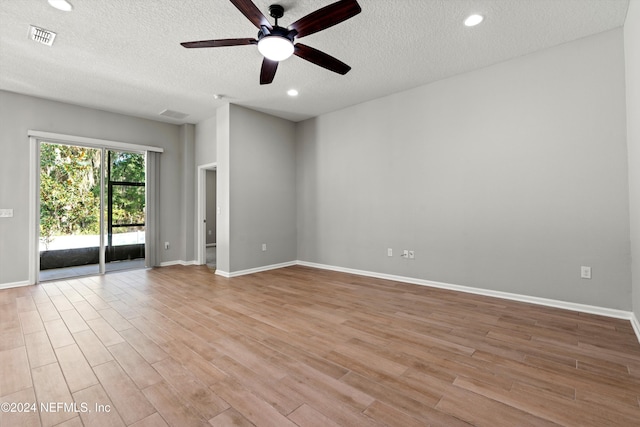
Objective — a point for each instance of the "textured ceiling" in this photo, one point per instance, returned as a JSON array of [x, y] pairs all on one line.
[[124, 55]]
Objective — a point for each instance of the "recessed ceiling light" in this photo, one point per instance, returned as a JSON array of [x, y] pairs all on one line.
[[63, 5], [473, 20], [292, 92]]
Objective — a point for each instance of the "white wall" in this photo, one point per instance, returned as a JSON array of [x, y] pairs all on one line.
[[20, 113], [508, 178], [632, 61]]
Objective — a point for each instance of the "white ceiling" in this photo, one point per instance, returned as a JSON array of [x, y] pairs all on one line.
[[124, 55]]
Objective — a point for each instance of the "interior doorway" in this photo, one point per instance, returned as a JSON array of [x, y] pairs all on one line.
[[91, 210], [210, 216], [207, 216]]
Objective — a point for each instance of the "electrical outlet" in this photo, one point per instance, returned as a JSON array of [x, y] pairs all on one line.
[[405, 253], [412, 255], [166, 245], [585, 272], [264, 247], [389, 252]]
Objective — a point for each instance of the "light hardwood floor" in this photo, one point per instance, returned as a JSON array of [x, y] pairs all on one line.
[[180, 346]]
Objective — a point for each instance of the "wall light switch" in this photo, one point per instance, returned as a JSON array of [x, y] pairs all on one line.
[[6, 213], [389, 252], [585, 272], [264, 247]]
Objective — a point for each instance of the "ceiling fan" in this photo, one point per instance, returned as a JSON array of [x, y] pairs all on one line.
[[276, 43]]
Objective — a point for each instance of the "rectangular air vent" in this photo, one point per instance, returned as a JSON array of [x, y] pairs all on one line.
[[173, 114], [41, 35]]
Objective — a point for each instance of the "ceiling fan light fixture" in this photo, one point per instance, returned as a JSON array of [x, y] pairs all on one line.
[[63, 5], [275, 47]]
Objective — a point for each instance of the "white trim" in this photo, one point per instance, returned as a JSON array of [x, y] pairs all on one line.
[[34, 210], [636, 325], [92, 142], [584, 308], [201, 177], [15, 284], [101, 249], [256, 269], [178, 262]]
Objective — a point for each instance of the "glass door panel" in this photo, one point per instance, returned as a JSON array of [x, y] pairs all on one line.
[[125, 210], [69, 211]]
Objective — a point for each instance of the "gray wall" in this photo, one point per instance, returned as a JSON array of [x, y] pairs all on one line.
[[206, 141], [223, 244], [632, 58], [205, 154], [262, 187], [19, 113], [508, 178], [187, 195], [211, 206]]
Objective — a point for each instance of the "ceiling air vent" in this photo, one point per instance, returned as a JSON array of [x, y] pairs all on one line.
[[41, 35], [173, 114]]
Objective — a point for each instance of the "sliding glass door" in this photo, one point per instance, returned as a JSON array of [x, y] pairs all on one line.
[[92, 210], [125, 210]]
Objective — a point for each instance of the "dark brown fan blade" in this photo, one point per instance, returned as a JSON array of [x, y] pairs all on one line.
[[252, 13], [326, 17], [268, 71], [219, 43], [320, 58]]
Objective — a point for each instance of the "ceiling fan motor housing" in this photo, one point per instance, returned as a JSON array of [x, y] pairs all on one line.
[[276, 11], [277, 31]]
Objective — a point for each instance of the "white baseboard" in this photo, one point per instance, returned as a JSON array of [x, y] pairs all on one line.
[[178, 262], [583, 308], [14, 284], [255, 270], [636, 325]]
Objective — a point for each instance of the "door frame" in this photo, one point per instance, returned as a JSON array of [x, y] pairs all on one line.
[[201, 240], [35, 137]]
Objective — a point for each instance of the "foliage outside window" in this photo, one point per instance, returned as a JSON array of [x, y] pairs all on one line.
[[70, 190]]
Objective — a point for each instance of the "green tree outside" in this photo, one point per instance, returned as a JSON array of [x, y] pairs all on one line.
[[70, 190]]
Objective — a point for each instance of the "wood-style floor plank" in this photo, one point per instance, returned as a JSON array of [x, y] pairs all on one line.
[[75, 368], [39, 349], [126, 397], [52, 390], [171, 408], [15, 373], [180, 346], [101, 411]]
